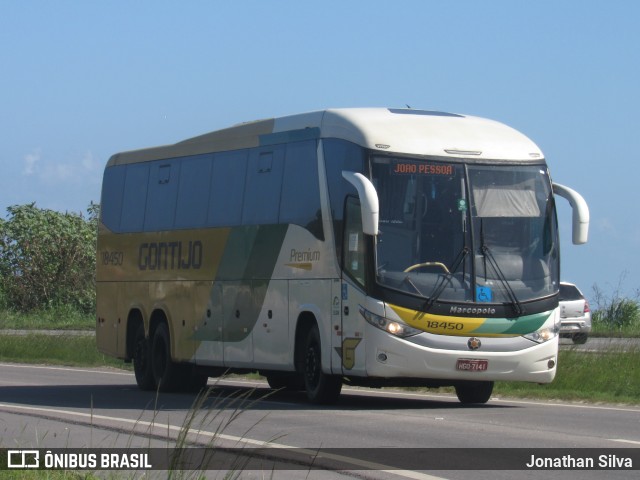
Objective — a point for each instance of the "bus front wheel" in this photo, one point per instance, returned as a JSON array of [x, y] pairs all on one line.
[[321, 388], [474, 392]]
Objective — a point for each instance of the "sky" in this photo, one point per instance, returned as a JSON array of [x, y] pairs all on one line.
[[82, 80]]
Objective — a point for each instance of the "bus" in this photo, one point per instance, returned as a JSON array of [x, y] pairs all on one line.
[[369, 247]]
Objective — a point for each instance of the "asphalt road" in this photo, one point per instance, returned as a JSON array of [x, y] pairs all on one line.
[[57, 407]]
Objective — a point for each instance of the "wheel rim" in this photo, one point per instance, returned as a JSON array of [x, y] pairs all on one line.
[[312, 366]]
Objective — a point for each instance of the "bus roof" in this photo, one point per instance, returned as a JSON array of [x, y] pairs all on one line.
[[406, 131]]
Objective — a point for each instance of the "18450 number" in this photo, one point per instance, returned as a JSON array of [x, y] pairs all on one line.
[[112, 258], [444, 325]]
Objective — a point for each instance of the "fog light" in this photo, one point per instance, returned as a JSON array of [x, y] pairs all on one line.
[[382, 357], [551, 363]]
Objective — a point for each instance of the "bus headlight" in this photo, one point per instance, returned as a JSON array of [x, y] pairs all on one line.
[[394, 327], [548, 331]]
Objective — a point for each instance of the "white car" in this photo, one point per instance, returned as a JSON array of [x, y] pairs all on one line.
[[575, 314]]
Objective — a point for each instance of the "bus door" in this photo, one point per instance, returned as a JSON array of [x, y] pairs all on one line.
[[352, 296], [209, 350]]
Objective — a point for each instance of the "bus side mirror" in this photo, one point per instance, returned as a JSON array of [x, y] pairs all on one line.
[[580, 227], [368, 201]]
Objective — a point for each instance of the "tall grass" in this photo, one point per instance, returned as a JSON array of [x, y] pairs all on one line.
[[615, 314], [59, 349], [57, 318], [611, 376]]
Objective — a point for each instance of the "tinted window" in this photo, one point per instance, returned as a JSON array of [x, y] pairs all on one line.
[[162, 195], [111, 203], [300, 201], [264, 182], [193, 196], [134, 198], [353, 248], [212, 190], [340, 155], [227, 188]]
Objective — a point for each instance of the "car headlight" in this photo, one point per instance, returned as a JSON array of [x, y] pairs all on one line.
[[548, 331], [394, 327]]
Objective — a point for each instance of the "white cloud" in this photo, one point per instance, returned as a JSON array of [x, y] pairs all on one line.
[[30, 161], [90, 163], [60, 172], [80, 170]]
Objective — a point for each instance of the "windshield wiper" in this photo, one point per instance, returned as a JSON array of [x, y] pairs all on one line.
[[486, 252], [441, 285], [515, 303]]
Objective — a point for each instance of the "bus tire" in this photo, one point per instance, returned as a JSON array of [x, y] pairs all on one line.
[[142, 360], [285, 381], [193, 381], [166, 373], [474, 392], [320, 387]]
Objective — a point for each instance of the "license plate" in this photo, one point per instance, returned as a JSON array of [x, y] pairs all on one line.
[[472, 365]]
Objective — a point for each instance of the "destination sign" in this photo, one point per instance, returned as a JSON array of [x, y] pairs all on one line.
[[402, 168]]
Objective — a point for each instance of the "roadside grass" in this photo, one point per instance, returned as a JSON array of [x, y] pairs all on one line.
[[58, 318], [58, 349], [611, 376], [603, 330]]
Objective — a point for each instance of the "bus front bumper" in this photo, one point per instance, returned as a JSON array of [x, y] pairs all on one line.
[[388, 357]]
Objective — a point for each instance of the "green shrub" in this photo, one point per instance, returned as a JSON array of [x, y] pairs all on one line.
[[47, 259]]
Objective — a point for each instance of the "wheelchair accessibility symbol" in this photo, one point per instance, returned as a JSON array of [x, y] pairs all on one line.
[[484, 294]]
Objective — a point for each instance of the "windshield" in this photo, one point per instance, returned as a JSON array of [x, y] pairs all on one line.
[[465, 233]]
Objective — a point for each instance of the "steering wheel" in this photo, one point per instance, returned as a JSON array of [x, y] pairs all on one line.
[[427, 264]]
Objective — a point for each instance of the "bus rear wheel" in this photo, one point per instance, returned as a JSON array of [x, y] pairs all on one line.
[[285, 381], [474, 392], [142, 360], [321, 388], [166, 373]]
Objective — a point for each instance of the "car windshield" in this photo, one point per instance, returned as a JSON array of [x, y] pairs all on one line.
[[465, 233]]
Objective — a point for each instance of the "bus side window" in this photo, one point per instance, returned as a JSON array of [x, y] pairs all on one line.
[[134, 198], [162, 193], [112, 192], [227, 191], [353, 247], [192, 204], [263, 186]]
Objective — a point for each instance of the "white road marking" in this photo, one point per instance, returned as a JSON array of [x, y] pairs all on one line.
[[622, 440], [165, 427], [65, 369]]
